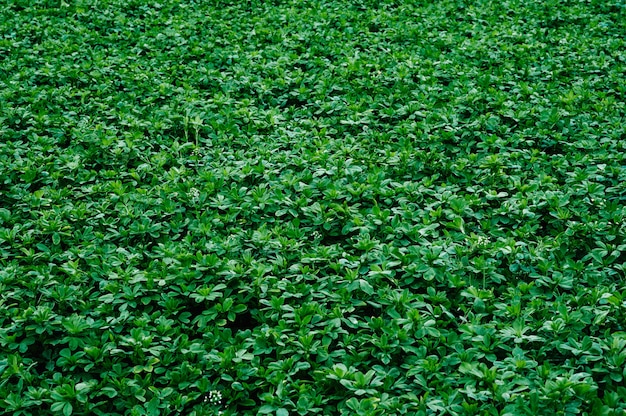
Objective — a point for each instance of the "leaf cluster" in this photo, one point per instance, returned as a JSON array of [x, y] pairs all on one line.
[[312, 207]]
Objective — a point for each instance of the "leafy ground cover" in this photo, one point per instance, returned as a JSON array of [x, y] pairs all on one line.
[[312, 207]]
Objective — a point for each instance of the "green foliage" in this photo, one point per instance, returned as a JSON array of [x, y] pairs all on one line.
[[312, 207]]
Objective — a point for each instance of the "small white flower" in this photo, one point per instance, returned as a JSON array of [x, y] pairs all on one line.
[[214, 397], [194, 193], [480, 242]]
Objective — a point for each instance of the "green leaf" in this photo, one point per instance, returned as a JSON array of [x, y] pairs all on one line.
[[67, 409], [266, 409], [153, 406], [366, 287], [110, 392]]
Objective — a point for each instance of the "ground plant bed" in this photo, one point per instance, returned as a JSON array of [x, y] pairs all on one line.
[[299, 207]]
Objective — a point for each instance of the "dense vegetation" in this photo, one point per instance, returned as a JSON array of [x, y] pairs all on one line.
[[312, 207]]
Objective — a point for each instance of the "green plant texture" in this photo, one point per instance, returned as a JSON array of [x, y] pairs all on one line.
[[312, 207]]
